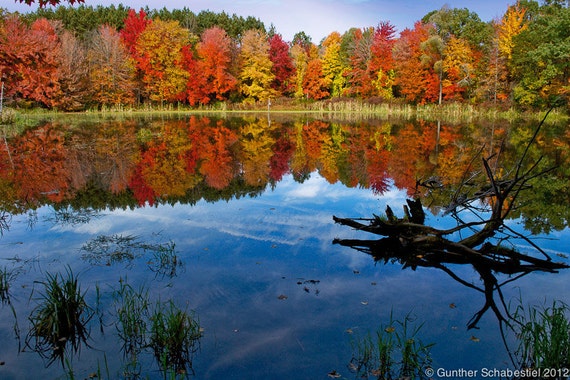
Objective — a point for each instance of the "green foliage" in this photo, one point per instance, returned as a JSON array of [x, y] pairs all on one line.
[[83, 19], [540, 58]]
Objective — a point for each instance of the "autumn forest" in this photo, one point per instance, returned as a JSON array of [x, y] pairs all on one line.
[[82, 58]]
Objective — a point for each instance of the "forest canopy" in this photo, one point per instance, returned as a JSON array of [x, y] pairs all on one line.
[[84, 57]]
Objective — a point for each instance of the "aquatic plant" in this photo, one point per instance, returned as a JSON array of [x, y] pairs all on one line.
[[543, 335], [111, 249], [132, 312], [174, 338], [394, 352], [60, 318], [5, 279], [164, 260]]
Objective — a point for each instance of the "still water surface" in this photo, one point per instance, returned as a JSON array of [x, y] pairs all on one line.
[[247, 205]]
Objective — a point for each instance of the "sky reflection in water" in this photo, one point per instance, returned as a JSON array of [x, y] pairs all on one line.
[[239, 257]]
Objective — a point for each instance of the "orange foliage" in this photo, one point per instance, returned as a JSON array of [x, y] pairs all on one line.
[[28, 60], [217, 163]]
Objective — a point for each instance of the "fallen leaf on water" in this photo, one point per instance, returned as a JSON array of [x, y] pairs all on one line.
[[390, 329], [334, 374], [474, 338], [349, 331], [282, 297], [452, 306]]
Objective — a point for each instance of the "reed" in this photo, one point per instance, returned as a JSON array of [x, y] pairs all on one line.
[[174, 338], [394, 352], [543, 337], [132, 309], [60, 318], [5, 279]]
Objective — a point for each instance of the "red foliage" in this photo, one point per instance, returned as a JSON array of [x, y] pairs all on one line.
[[314, 82], [215, 51], [413, 77], [135, 24], [283, 67], [381, 49], [196, 87]]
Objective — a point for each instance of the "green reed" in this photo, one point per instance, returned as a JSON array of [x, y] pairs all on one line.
[[60, 318], [174, 338], [394, 352], [543, 336]]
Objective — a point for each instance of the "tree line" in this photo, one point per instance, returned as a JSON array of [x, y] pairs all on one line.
[[77, 58]]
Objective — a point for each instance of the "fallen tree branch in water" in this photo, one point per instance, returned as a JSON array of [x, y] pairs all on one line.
[[483, 244]]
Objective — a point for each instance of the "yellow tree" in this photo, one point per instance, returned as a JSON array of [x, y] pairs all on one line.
[[300, 61], [512, 23], [159, 47], [458, 66], [256, 76], [332, 64]]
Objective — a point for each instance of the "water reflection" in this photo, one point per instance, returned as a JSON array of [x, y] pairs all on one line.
[[137, 162], [245, 205]]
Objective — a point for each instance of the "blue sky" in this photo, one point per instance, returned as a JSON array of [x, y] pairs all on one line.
[[317, 18]]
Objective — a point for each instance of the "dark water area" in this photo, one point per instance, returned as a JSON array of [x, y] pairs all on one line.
[[230, 220]]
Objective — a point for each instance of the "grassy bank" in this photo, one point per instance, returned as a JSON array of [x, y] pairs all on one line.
[[343, 109]]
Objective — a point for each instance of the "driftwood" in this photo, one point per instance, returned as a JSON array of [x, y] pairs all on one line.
[[482, 244]]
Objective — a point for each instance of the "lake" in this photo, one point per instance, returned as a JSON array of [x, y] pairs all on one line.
[[230, 219]]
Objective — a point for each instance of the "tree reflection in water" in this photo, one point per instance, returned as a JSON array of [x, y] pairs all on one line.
[[81, 181], [484, 243]]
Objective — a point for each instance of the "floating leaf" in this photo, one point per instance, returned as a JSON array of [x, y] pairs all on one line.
[[334, 374], [474, 338], [452, 306], [390, 329], [349, 331]]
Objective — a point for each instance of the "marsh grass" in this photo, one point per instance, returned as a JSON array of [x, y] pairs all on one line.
[[111, 249], [393, 352], [67, 216], [170, 333], [60, 319], [543, 336], [5, 279], [165, 261], [132, 311], [174, 338]]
